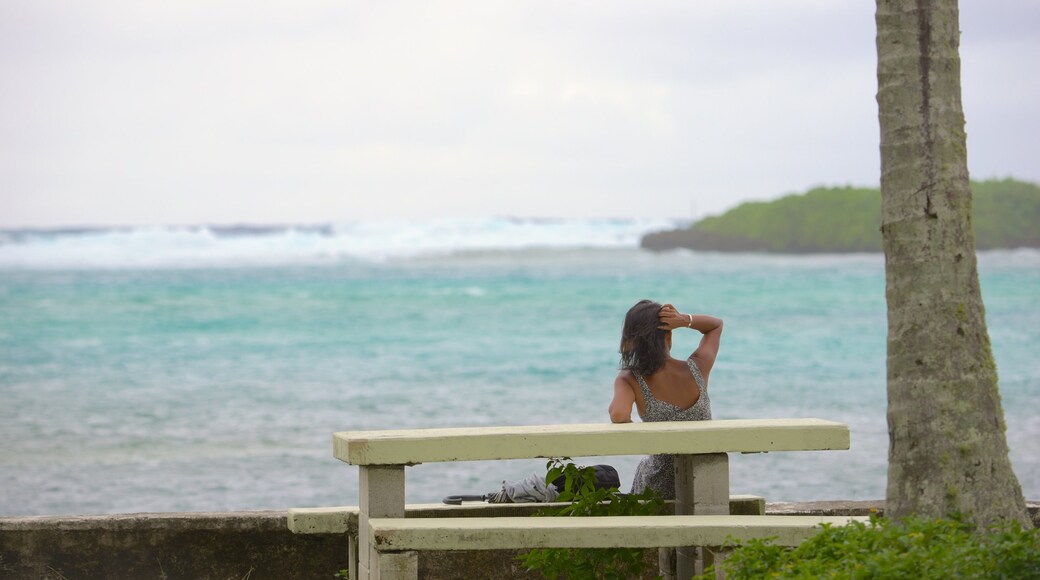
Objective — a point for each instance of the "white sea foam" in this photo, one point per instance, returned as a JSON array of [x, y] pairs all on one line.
[[192, 246]]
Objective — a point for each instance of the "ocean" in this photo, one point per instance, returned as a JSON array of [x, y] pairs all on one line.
[[205, 368]]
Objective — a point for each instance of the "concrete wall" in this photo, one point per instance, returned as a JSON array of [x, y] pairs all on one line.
[[233, 545], [236, 546], [198, 546]]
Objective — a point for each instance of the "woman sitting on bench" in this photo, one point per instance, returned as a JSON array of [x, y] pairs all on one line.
[[661, 387]]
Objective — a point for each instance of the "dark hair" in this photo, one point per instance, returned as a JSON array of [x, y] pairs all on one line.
[[643, 350]]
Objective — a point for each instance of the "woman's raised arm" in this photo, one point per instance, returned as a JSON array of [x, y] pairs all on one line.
[[710, 326]]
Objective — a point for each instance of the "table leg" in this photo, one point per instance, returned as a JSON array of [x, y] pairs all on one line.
[[352, 558], [381, 495], [701, 488], [666, 563]]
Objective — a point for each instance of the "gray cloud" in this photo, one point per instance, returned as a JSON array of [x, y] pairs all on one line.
[[123, 112]]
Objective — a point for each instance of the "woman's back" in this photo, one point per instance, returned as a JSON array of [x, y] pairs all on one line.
[[657, 472], [675, 401]]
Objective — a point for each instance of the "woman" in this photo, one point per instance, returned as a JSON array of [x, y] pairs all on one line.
[[661, 387]]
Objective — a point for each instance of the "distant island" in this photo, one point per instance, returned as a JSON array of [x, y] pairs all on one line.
[[1006, 214]]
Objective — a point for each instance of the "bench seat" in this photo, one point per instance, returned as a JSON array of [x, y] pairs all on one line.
[[344, 519], [403, 534]]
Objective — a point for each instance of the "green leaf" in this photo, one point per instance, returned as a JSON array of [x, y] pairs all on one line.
[[585, 500]]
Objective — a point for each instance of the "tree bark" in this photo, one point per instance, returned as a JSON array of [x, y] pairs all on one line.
[[947, 447]]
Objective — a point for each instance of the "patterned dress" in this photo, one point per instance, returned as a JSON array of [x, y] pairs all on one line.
[[657, 472]]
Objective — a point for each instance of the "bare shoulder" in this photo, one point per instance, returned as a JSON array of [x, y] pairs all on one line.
[[626, 377], [702, 364]]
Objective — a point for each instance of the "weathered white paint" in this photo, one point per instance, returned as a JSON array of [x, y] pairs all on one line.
[[414, 446], [324, 520], [701, 488], [398, 534], [344, 519], [381, 490], [383, 455]]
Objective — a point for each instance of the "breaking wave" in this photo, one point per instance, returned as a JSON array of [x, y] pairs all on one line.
[[233, 245]]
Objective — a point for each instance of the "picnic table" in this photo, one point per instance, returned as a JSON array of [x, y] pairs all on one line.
[[388, 541]]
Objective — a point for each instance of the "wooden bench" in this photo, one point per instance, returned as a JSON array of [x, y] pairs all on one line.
[[396, 538], [702, 484], [344, 519], [402, 534]]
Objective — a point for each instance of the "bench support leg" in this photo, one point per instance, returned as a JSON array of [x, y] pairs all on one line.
[[666, 563], [381, 491], [352, 557], [701, 488], [719, 556]]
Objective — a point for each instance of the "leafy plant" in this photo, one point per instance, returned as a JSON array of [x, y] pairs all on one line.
[[918, 548], [585, 500]]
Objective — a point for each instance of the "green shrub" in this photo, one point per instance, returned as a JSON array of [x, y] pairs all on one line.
[[848, 219], [918, 548], [586, 500]]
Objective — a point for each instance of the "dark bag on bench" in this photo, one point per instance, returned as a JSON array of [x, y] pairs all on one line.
[[533, 489], [606, 478]]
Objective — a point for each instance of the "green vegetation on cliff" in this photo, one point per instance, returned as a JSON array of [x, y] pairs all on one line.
[[848, 219]]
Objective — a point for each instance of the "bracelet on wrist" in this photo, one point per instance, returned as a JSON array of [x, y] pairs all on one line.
[[690, 323]]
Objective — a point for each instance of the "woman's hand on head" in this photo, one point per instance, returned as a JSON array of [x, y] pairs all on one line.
[[671, 318]]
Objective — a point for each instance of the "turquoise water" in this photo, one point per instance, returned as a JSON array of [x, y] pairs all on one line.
[[168, 388]]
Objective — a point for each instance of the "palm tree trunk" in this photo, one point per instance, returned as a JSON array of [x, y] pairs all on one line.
[[947, 447]]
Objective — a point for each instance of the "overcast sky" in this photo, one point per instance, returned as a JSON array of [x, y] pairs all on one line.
[[218, 111]]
